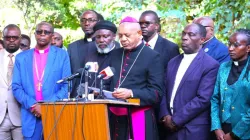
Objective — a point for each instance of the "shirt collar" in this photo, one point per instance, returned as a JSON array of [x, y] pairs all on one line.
[[152, 42], [42, 51], [14, 54], [190, 56]]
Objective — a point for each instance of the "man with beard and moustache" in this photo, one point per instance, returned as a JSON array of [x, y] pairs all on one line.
[[10, 114], [99, 51], [190, 81], [150, 24], [78, 49], [212, 46], [36, 72], [139, 74]]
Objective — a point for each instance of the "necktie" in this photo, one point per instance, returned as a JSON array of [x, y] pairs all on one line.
[[147, 44], [10, 69]]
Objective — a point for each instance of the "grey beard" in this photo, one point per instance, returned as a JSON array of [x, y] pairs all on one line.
[[105, 50]]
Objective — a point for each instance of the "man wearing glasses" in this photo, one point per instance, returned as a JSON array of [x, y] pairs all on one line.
[[34, 79], [25, 42], [10, 115], [78, 49], [149, 22], [212, 46]]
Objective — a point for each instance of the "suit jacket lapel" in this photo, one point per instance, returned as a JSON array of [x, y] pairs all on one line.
[[3, 72], [29, 67], [196, 62], [158, 45], [172, 75], [240, 82], [50, 63]]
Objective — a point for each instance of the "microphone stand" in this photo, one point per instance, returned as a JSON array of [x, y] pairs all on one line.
[[69, 88], [101, 95], [86, 90]]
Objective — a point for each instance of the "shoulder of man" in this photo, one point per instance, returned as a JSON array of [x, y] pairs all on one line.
[[209, 61], [166, 41], [80, 41]]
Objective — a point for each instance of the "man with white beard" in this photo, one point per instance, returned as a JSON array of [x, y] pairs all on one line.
[[99, 51]]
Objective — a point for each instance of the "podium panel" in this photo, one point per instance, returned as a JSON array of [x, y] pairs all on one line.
[[75, 121], [80, 120]]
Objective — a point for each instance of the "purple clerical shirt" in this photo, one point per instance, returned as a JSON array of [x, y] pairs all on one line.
[[39, 63]]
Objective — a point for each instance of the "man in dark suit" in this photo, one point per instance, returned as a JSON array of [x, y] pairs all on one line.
[[190, 80], [139, 74], [212, 46], [78, 49], [149, 22]]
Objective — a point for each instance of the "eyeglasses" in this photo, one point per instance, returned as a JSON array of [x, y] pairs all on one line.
[[23, 45], [45, 32], [90, 20], [14, 38], [146, 23]]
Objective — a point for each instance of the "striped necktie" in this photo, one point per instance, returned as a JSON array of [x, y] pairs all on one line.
[[10, 69]]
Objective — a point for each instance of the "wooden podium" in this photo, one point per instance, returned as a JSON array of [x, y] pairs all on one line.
[[78, 120]]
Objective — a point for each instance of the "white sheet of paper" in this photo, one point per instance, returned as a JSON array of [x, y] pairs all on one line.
[[106, 93]]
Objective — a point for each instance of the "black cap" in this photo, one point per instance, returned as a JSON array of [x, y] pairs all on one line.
[[105, 25]]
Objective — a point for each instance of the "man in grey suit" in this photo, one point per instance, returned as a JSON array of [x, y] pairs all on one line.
[[78, 49], [10, 119]]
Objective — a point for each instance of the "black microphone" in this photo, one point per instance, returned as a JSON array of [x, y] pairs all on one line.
[[71, 77], [106, 73]]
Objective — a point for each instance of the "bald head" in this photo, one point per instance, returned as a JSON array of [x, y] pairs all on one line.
[[129, 34], [208, 23]]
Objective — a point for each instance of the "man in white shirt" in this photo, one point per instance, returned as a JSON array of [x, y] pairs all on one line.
[[190, 80], [10, 119]]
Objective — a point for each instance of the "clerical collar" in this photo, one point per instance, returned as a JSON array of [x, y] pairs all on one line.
[[240, 63], [42, 51], [89, 39], [208, 40]]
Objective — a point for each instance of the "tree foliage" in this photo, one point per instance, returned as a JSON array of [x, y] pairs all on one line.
[[175, 14]]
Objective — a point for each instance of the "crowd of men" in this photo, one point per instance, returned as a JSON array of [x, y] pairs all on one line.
[[175, 90]]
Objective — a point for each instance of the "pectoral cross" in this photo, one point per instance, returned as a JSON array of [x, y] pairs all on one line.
[[39, 85]]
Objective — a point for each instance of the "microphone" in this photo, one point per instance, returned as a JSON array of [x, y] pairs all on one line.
[[91, 66], [106, 73], [71, 77]]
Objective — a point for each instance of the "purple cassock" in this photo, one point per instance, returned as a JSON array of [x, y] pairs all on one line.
[[191, 105]]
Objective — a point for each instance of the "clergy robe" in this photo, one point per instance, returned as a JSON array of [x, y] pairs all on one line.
[[103, 61], [145, 79], [77, 52]]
